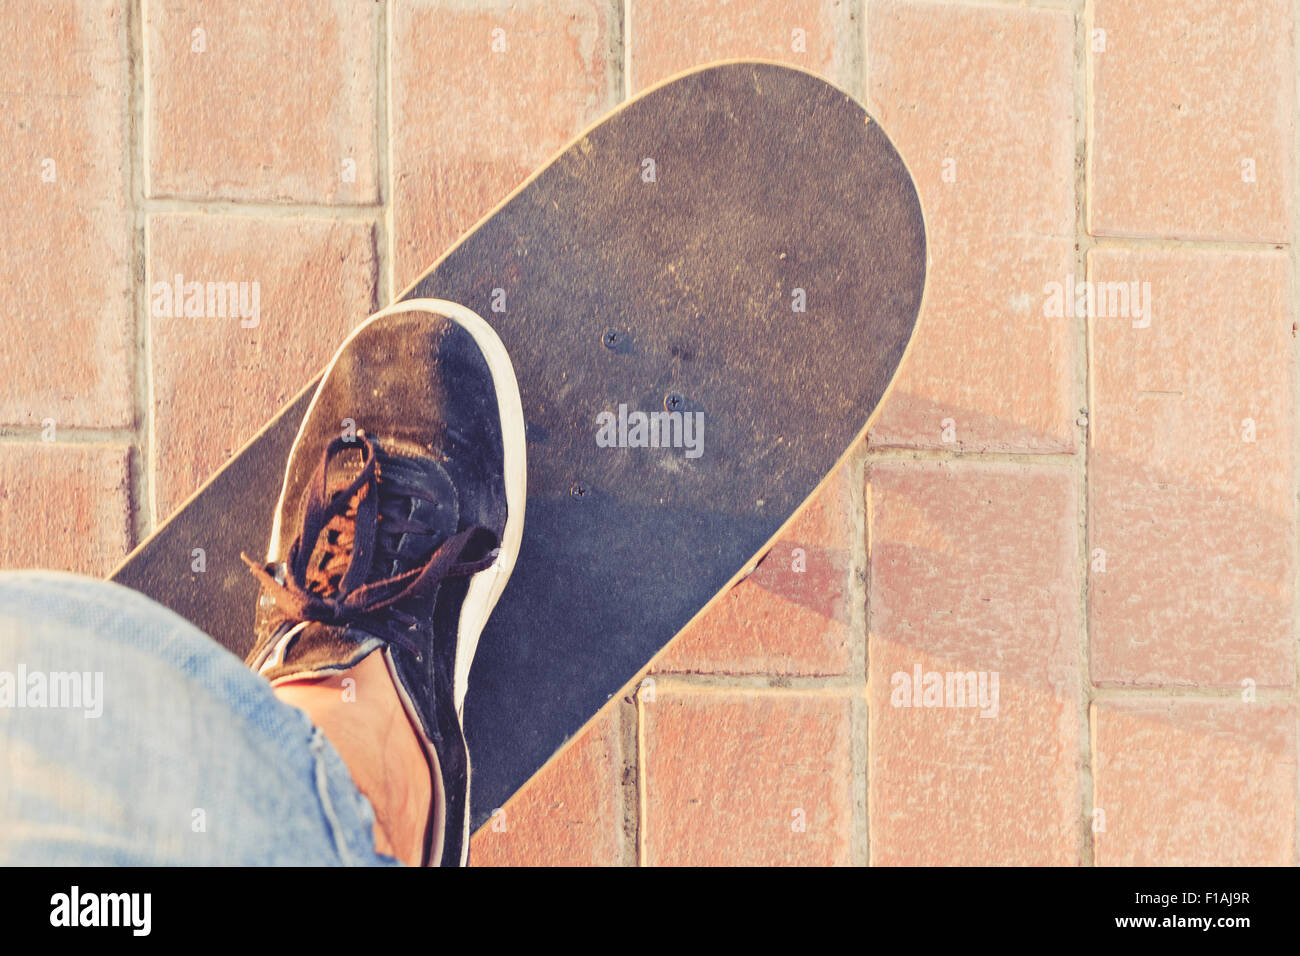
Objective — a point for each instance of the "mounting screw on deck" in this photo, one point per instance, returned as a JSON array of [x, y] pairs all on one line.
[[611, 338], [673, 402], [578, 490]]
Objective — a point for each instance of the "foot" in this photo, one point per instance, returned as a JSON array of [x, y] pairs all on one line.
[[398, 525]]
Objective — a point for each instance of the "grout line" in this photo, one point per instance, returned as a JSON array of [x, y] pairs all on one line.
[[1295, 404], [851, 46], [1168, 244], [898, 453], [1154, 243], [70, 436], [148, 435], [616, 51], [701, 684], [1187, 692], [629, 781], [1082, 385], [167, 206], [640, 762], [764, 684], [859, 757], [142, 463]]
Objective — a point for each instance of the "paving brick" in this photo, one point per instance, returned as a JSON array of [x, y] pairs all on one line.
[[746, 779], [215, 382], [972, 570], [64, 507], [277, 105], [1197, 522], [669, 36], [1179, 103], [792, 615], [570, 813], [1194, 783], [992, 90], [481, 97], [984, 118], [64, 224], [986, 370]]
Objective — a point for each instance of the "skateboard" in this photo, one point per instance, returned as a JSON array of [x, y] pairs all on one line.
[[706, 296]]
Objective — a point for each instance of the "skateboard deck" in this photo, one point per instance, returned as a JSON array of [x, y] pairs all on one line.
[[740, 247]]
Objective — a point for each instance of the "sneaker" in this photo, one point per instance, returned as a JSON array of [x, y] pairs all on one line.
[[398, 526]]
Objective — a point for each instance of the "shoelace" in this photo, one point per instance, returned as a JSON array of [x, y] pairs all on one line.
[[339, 589]]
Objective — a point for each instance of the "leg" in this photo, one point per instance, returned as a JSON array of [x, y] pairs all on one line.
[[128, 737], [392, 541], [360, 713]]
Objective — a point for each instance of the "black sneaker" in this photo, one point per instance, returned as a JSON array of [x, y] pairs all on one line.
[[398, 526]]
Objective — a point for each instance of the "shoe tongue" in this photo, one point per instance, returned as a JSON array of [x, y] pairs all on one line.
[[436, 509], [343, 468], [303, 649]]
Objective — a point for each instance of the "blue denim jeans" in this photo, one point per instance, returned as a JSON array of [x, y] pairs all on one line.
[[129, 737]]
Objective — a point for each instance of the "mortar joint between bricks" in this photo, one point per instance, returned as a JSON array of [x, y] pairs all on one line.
[[1295, 404], [629, 782], [1081, 395], [140, 490]]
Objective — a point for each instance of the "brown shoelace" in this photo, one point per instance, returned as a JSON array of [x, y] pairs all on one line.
[[356, 531]]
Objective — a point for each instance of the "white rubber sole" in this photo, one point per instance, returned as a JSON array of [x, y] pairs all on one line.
[[486, 586]]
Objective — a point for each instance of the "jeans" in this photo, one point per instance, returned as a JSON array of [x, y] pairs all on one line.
[[129, 737]]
